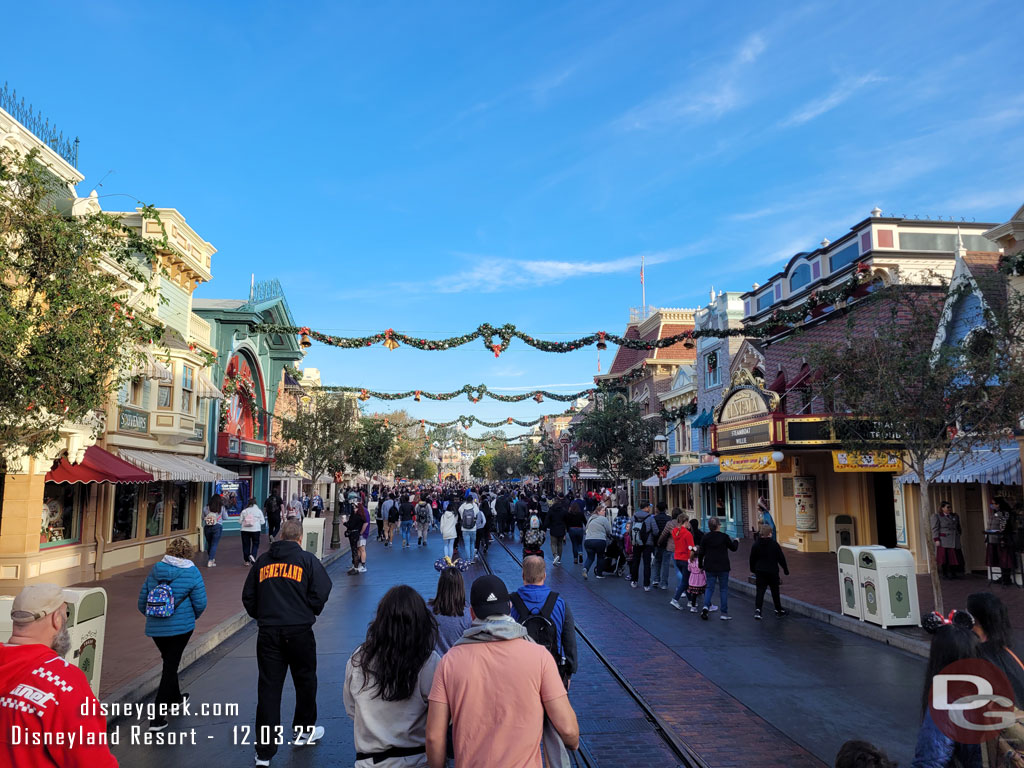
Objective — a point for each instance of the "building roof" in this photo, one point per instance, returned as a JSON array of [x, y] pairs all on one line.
[[984, 268], [658, 327], [217, 303]]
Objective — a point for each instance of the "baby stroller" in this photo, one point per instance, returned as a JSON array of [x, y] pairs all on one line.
[[614, 558]]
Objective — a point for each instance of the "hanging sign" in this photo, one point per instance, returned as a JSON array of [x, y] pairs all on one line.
[[805, 498], [748, 462], [866, 461]]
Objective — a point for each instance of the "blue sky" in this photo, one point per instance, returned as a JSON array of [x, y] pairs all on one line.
[[431, 166]]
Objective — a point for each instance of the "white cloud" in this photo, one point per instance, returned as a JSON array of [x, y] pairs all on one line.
[[707, 98], [828, 102], [489, 274]]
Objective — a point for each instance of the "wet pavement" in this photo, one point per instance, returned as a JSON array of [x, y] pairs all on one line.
[[776, 692]]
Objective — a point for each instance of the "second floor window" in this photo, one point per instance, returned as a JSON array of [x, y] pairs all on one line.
[[186, 388], [712, 371]]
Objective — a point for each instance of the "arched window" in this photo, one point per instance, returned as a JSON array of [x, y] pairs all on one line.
[[799, 277]]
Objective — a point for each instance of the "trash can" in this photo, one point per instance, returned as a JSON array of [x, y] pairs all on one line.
[[888, 581], [87, 626], [850, 592], [313, 535], [842, 532]]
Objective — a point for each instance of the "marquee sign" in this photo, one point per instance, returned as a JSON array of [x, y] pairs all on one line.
[[746, 398]]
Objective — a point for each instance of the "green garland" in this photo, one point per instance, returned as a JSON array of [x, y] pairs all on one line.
[[467, 421], [234, 384], [497, 338], [677, 414], [475, 393], [1013, 265]]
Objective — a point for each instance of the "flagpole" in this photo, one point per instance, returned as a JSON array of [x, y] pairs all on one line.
[[643, 286]]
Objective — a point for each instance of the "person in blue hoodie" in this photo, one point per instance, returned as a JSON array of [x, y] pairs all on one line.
[[534, 594], [172, 632]]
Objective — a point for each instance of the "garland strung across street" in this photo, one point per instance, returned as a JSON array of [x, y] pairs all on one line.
[[467, 421], [475, 393], [497, 338]]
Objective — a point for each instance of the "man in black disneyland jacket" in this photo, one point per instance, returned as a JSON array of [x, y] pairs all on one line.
[[286, 590]]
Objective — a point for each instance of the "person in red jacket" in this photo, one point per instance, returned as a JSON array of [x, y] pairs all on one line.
[[42, 696]]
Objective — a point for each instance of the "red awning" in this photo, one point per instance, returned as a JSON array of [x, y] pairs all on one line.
[[779, 385], [802, 377], [97, 466]]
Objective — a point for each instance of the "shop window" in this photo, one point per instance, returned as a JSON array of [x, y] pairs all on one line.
[[762, 490], [187, 374], [154, 509], [163, 398], [712, 371], [126, 512], [179, 510], [62, 514]]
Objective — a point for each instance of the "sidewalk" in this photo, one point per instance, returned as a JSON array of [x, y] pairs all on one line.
[[131, 662], [814, 580]]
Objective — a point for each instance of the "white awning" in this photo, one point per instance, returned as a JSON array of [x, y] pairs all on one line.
[[206, 389], [177, 466], [151, 368], [674, 471]]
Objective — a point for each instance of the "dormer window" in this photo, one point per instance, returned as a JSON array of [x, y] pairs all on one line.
[[800, 277]]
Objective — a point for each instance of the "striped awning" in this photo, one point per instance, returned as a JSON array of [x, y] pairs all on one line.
[[177, 466], [992, 466], [151, 368], [206, 389]]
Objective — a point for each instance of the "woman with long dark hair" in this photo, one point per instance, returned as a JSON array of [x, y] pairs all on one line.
[[952, 642], [388, 679], [995, 632], [449, 607]]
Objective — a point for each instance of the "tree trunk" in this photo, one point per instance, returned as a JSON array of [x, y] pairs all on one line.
[[924, 506]]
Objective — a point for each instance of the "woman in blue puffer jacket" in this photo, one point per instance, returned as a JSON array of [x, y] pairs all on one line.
[[171, 632]]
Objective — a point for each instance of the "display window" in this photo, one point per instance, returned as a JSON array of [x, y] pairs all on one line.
[[62, 514]]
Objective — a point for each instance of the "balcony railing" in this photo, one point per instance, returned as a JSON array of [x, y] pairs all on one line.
[[40, 127]]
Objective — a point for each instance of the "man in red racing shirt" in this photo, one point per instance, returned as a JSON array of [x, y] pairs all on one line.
[[42, 696]]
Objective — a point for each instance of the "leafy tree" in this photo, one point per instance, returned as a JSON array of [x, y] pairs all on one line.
[[372, 446], [616, 439], [483, 467], [321, 437], [505, 459], [894, 387], [70, 320]]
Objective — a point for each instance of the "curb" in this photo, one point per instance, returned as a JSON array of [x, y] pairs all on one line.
[[147, 683], [862, 628]]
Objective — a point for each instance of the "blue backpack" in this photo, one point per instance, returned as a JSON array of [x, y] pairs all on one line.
[[160, 601]]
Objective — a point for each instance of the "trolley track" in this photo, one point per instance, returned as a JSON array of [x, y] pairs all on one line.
[[584, 757]]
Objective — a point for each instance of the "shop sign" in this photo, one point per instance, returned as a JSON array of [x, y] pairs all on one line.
[[866, 461], [748, 462], [130, 420], [742, 404], [753, 435], [805, 498]]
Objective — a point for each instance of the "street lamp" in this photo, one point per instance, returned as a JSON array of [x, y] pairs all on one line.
[[660, 446]]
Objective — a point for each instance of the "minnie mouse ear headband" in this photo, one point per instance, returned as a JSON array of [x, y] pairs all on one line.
[[446, 562], [933, 621]]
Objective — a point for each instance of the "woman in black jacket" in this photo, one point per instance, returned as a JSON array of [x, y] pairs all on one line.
[[576, 523], [766, 557], [556, 525]]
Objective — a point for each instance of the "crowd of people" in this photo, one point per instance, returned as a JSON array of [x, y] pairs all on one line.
[[420, 688]]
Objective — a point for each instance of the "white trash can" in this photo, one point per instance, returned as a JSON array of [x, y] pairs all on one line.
[[87, 626], [313, 535], [851, 596], [888, 581]]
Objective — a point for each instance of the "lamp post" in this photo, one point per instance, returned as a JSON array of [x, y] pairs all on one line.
[[660, 444]]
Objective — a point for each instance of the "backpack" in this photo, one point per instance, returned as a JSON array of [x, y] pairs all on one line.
[[248, 519], [160, 600], [539, 626], [639, 532], [469, 519], [533, 538]]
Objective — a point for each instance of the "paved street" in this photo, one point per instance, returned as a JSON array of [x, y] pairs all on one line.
[[774, 693]]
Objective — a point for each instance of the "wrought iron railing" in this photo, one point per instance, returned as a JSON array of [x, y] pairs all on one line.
[[40, 127], [267, 290]]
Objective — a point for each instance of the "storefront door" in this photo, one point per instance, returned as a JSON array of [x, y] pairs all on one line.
[[885, 508]]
